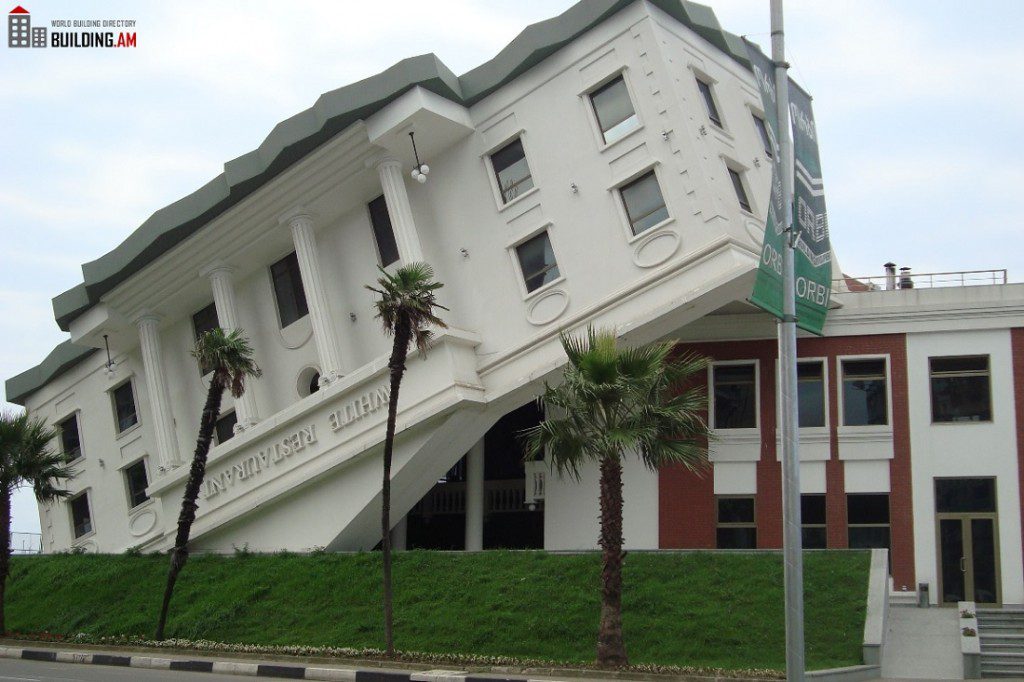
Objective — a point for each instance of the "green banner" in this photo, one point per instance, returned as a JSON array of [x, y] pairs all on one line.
[[813, 253]]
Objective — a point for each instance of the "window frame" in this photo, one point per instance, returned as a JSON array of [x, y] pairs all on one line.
[[745, 430], [513, 250], [595, 123], [373, 233], [734, 524], [841, 414], [620, 203], [807, 430], [931, 396], [849, 526], [75, 538], [733, 166], [760, 121], [118, 432], [195, 331], [805, 526], [77, 416], [273, 290], [144, 461], [711, 83], [499, 197]]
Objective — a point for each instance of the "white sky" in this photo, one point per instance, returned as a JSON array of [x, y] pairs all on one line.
[[918, 104]]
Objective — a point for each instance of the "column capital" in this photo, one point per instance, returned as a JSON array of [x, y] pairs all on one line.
[[145, 316], [216, 268], [296, 216], [384, 161]]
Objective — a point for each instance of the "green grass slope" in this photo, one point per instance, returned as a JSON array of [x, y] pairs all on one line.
[[701, 609]]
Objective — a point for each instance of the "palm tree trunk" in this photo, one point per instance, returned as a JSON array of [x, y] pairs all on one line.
[[611, 650], [5, 551], [397, 366], [179, 555]]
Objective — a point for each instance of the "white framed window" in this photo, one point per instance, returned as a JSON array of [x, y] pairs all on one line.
[[762, 132], [705, 88], [80, 511], [641, 202], [812, 392], [69, 431], [734, 403], [510, 171], [739, 186], [612, 106], [735, 522], [289, 293], [960, 388], [136, 480], [122, 399], [864, 395], [534, 259], [383, 231]]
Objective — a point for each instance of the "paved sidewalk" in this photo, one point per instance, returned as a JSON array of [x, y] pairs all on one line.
[[922, 644]]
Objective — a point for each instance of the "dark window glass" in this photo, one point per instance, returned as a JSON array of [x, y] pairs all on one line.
[[537, 261], [135, 476], [225, 426], [291, 297], [736, 528], [512, 171], [70, 441], [960, 389], [810, 391], [864, 393], [766, 140], [81, 520], [709, 102], [735, 397], [614, 110], [645, 206], [314, 383], [204, 321], [958, 495], [741, 193], [124, 407], [814, 537], [383, 233], [812, 518], [867, 516]]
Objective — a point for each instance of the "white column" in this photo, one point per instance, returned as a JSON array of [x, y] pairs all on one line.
[[222, 284], [392, 180], [324, 331], [159, 397], [399, 534], [475, 497]]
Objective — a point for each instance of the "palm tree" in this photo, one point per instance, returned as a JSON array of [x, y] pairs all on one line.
[[25, 459], [407, 309], [615, 401], [229, 357]]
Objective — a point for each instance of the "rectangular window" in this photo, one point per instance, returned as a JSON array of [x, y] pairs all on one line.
[[735, 392], [709, 102], [137, 481], [81, 518], [124, 406], [867, 518], [735, 527], [812, 518], [291, 297], [224, 429], [645, 206], [865, 402], [383, 232], [766, 140], [537, 261], [741, 192], [614, 110], [810, 391], [70, 438], [511, 171], [965, 495], [960, 389], [204, 321]]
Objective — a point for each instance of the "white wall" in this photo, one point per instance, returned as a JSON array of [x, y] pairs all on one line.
[[971, 449]]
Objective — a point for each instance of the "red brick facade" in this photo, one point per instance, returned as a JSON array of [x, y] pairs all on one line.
[[1017, 346], [687, 501]]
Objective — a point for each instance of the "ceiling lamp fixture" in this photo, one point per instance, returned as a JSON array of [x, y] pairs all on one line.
[[110, 367], [419, 173]]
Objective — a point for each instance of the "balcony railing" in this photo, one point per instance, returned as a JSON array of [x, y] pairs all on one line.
[[923, 280], [450, 498]]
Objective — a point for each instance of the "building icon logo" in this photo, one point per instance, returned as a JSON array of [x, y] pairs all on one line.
[[19, 28]]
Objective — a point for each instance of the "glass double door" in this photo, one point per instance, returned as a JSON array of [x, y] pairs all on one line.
[[969, 560]]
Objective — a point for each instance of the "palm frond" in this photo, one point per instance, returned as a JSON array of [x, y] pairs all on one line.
[[27, 456], [230, 356], [408, 297]]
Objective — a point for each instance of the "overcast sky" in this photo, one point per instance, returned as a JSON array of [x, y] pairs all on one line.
[[919, 106]]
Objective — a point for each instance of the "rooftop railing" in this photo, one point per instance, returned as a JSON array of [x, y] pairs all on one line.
[[923, 280]]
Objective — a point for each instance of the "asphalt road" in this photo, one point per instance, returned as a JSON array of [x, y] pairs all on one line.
[[12, 670]]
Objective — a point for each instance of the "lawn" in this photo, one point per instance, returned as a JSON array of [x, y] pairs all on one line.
[[699, 609]]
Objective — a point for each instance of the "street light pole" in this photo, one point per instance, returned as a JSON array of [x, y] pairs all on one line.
[[791, 539]]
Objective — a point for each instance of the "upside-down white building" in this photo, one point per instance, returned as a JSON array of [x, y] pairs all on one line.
[[608, 167]]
